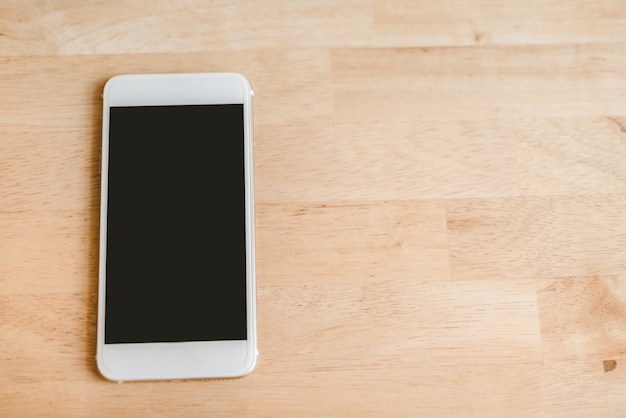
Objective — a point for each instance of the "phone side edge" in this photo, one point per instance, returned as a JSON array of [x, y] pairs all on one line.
[[251, 223], [104, 154]]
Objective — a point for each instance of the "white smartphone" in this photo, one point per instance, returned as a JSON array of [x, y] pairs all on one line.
[[177, 265]]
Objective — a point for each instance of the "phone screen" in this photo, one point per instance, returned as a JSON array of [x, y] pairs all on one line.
[[176, 250]]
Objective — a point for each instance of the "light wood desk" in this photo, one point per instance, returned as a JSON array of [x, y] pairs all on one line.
[[441, 203]]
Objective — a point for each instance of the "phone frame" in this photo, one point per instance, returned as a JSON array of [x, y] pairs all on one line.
[[179, 360]]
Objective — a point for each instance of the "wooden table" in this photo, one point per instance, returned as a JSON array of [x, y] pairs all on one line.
[[441, 203]]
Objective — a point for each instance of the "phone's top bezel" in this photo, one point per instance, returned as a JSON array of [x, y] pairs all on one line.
[[176, 89], [127, 361]]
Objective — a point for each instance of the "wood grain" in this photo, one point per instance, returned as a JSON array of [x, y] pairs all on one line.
[[352, 243], [137, 27], [581, 317], [379, 161], [484, 22], [583, 155], [536, 237], [400, 84], [574, 388], [441, 215], [616, 389], [48, 252]]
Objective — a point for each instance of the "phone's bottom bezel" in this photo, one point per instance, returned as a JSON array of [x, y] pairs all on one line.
[[178, 360]]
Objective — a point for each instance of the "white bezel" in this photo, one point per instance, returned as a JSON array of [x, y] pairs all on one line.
[[184, 360]]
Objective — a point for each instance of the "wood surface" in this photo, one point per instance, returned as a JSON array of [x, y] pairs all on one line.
[[441, 203]]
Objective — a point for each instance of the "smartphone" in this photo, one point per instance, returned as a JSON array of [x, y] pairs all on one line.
[[177, 265]]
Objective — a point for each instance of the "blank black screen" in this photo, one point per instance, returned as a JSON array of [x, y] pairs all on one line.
[[176, 254]]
